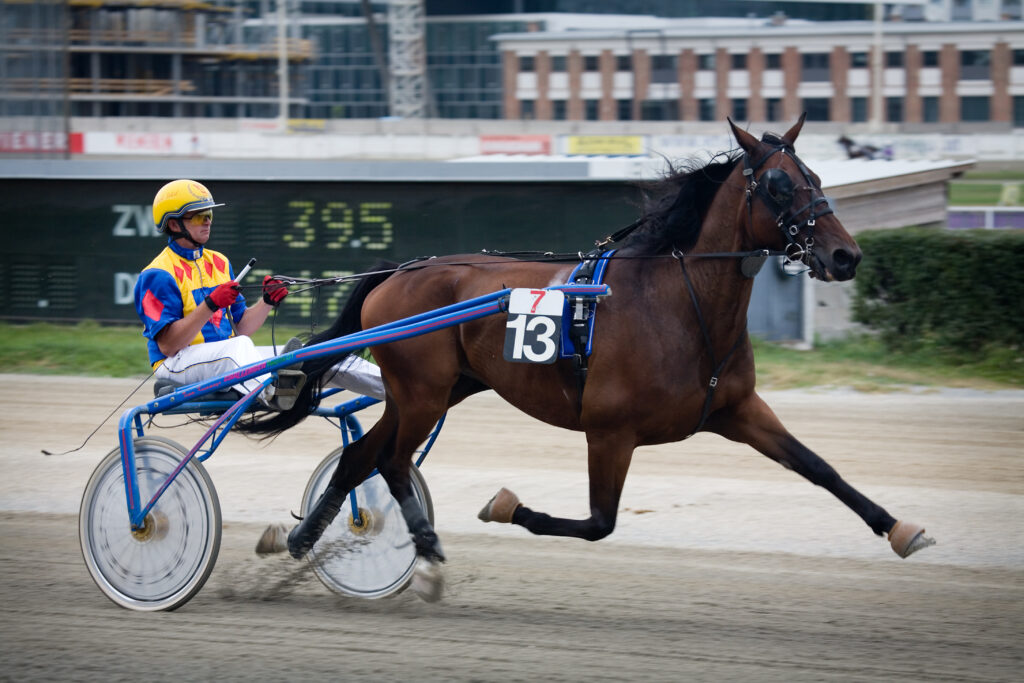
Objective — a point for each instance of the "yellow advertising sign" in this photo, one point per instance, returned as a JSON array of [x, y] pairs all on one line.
[[631, 145]]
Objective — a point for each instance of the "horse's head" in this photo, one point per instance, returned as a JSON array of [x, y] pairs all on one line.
[[787, 210]]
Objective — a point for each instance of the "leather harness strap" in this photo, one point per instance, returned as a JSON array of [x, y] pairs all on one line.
[[716, 367]]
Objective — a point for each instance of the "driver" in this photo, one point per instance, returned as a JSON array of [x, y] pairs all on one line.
[[195, 319]]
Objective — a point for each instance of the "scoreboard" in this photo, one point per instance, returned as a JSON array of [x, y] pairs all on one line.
[[74, 247]]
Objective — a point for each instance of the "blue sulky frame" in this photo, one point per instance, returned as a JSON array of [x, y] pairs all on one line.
[[187, 399]]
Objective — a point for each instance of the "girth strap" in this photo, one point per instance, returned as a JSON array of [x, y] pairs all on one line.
[[716, 366], [582, 320]]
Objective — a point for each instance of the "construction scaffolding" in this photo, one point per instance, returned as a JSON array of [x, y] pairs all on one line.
[[407, 77], [139, 58]]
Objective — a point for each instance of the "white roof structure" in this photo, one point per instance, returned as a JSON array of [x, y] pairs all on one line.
[[833, 172]]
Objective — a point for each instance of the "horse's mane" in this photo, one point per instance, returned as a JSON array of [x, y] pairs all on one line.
[[675, 206]]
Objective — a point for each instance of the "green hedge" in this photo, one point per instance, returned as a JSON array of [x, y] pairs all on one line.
[[963, 290]]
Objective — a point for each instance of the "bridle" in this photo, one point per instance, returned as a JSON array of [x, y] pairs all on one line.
[[776, 189]]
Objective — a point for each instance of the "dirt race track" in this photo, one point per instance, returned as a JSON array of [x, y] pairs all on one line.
[[723, 567]]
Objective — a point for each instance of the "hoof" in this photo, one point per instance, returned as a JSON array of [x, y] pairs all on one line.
[[500, 507], [427, 580], [273, 540], [907, 538], [298, 543]]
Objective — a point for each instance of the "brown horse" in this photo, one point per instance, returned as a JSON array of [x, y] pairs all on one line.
[[670, 355]]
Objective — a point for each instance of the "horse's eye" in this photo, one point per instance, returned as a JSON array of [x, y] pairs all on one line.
[[778, 185]]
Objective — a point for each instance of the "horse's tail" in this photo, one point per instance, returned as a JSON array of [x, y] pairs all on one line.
[[309, 396]]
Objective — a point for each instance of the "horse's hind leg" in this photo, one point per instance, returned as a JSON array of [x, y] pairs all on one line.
[[609, 455], [394, 463], [753, 422], [356, 464]]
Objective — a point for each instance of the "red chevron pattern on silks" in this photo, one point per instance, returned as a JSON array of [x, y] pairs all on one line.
[[209, 268], [179, 275], [188, 269], [152, 306], [216, 317], [220, 263]]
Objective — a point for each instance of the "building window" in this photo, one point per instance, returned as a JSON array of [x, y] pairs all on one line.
[[558, 63], [664, 69], [858, 60], [894, 60], [659, 110], [1018, 57], [591, 109], [1018, 111], [773, 61], [739, 62], [591, 63], [773, 109], [894, 109], [526, 110], [739, 109], [974, 64], [816, 108], [974, 109], [814, 66], [858, 109], [706, 62], [930, 109], [624, 110], [623, 63], [558, 110], [931, 58], [526, 63], [706, 109]]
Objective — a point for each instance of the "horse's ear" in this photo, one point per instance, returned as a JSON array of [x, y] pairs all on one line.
[[793, 132], [747, 141]]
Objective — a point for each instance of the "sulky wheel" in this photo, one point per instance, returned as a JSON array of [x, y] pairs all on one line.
[[370, 555], [162, 565]]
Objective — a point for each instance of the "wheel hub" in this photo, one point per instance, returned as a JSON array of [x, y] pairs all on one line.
[[362, 526], [153, 528]]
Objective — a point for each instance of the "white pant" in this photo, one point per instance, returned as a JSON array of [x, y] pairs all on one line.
[[200, 362]]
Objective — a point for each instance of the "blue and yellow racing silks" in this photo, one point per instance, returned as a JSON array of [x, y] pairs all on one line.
[[174, 284]]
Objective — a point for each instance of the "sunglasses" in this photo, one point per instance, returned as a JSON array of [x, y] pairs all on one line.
[[199, 217]]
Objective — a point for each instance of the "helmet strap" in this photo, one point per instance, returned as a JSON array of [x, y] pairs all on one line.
[[182, 234]]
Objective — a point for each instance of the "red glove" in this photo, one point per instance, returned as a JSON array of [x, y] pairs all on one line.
[[274, 291], [223, 296]]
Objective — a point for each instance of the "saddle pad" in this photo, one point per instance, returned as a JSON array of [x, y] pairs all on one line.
[[163, 387]]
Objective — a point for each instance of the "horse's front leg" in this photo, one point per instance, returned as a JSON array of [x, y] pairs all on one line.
[[754, 423], [609, 455]]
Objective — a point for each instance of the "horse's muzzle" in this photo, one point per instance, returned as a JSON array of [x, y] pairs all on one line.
[[844, 263], [839, 265]]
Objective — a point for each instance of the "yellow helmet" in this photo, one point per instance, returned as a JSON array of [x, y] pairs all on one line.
[[179, 197]]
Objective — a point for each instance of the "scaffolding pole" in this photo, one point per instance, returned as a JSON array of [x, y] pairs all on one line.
[[407, 91]]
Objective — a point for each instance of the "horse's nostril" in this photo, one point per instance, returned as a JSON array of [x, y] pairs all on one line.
[[844, 262]]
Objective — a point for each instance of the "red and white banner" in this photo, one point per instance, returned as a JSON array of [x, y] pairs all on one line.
[[28, 142], [146, 144]]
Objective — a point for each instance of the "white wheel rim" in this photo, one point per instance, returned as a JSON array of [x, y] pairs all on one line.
[[164, 565], [369, 562]]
